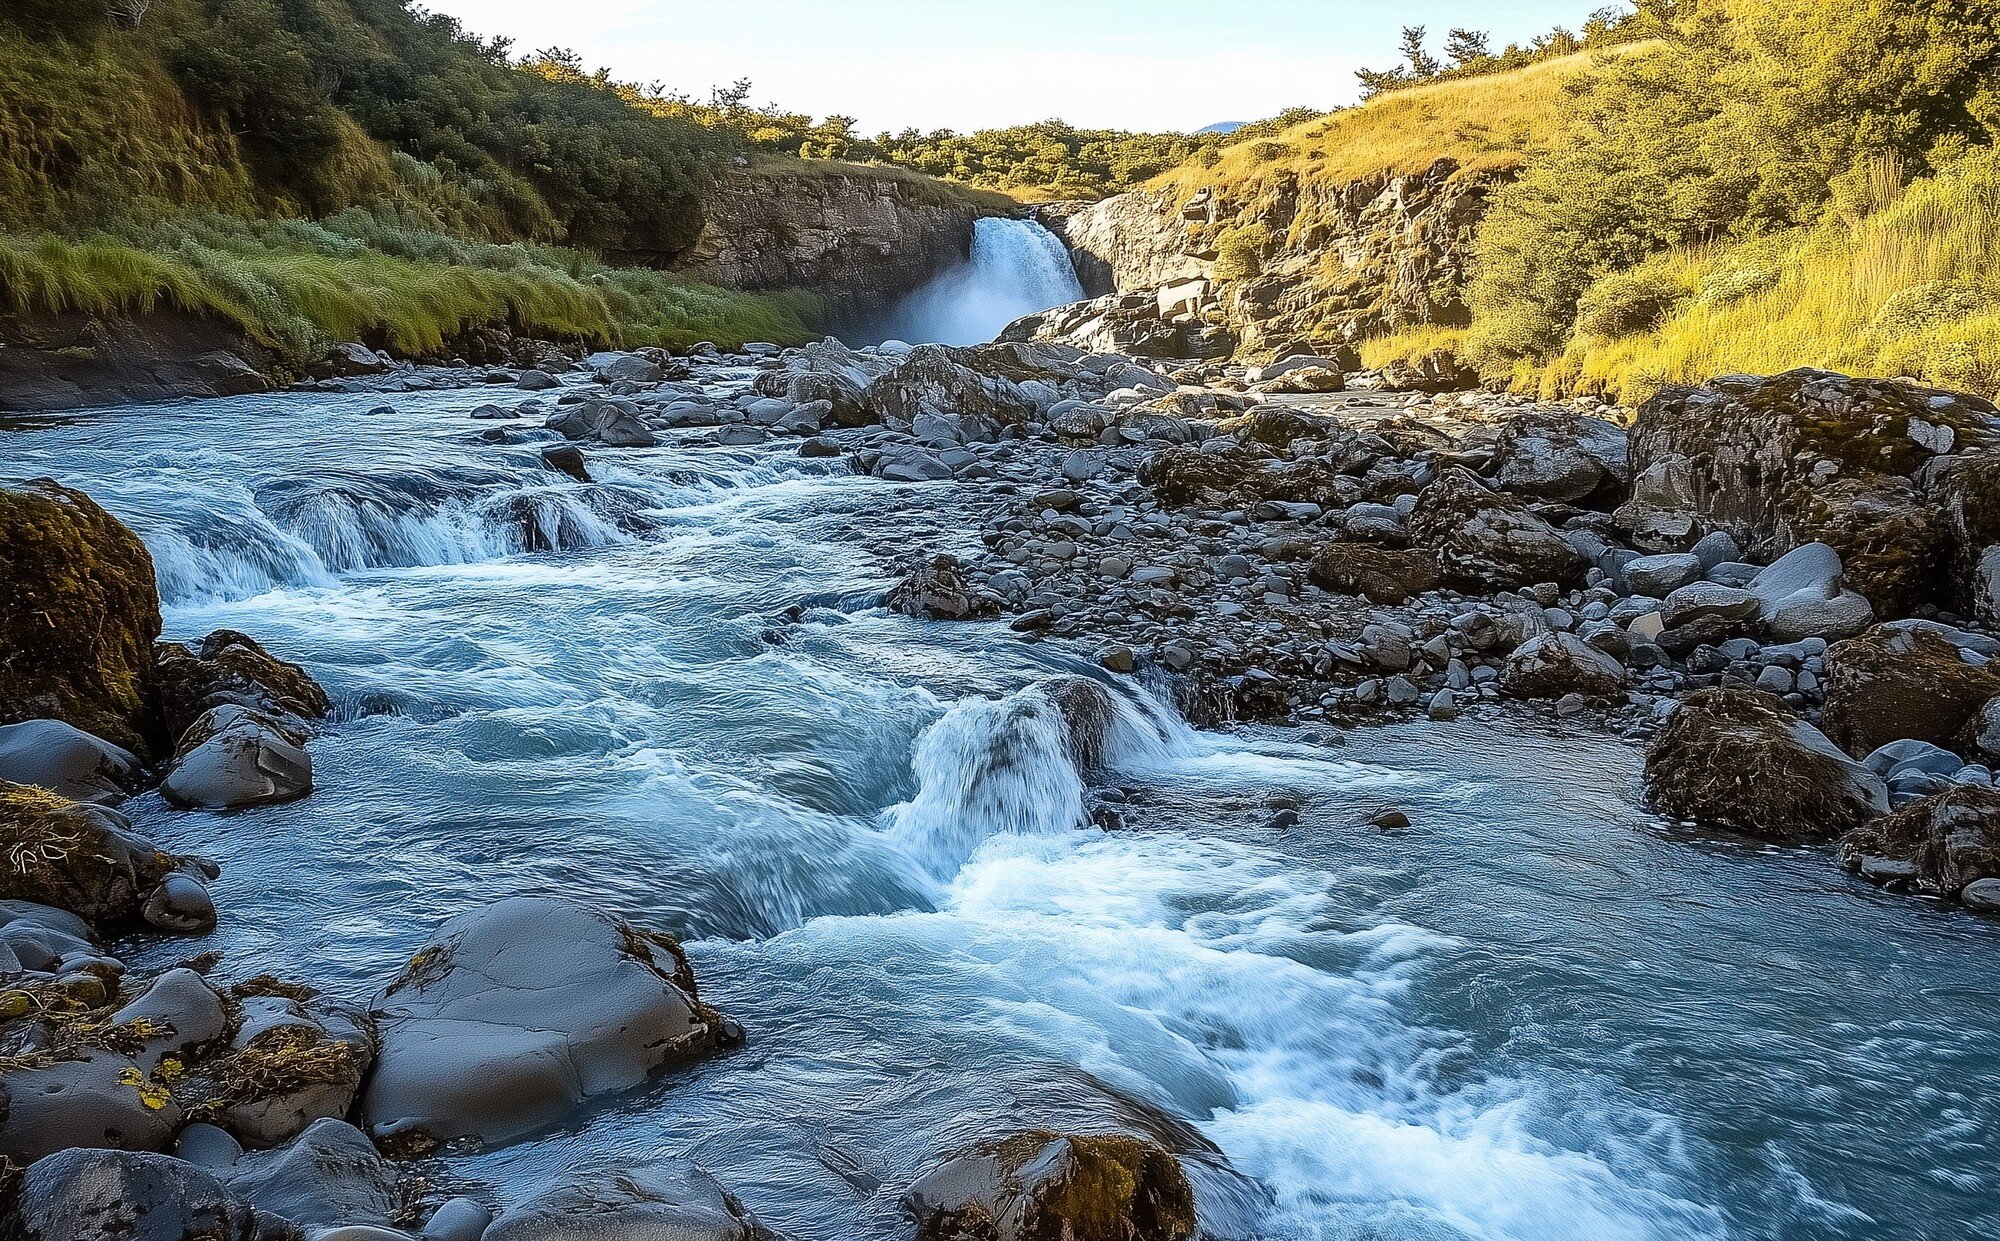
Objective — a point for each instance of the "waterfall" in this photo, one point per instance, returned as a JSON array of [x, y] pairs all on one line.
[[1016, 268]]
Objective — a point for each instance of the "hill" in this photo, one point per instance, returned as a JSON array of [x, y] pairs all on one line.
[[310, 171]]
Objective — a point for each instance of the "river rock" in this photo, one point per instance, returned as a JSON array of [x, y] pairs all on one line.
[[1800, 595], [658, 1201], [1894, 683], [829, 371], [1738, 759], [1382, 575], [78, 615], [614, 368], [95, 1098], [934, 379], [65, 760], [1551, 455], [1039, 1184], [1948, 841], [1660, 575], [1552, 664], [229, 668], [293, 1059], [567, 459], [330, 1175], [518, 1012], [940, 589], [115, 1195], [81, 858], [1487, 540], [537, 381], [233, 757], [1700, 601]]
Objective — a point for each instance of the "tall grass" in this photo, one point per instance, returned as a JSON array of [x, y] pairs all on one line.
[[299, 286], [1907, 282], [1485, 123]]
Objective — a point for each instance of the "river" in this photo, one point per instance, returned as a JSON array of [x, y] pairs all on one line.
[[1537, 1013]]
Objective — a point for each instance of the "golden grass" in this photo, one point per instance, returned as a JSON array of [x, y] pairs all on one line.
[[1486, 123], [1912, 289]]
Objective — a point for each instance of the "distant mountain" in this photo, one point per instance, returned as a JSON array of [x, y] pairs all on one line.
[[1222, 127]]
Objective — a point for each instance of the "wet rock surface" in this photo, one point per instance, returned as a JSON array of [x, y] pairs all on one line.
[[1039, 1185], [518, 1012]]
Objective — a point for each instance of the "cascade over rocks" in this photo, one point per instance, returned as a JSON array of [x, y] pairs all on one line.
[[1041, 1186]]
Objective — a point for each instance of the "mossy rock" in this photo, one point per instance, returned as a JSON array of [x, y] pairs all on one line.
[[1046, 1186], [1950, 839], [79, 615], [1895, 684], [1739, 760], [226, 668], [75, 857], [1382, 575]]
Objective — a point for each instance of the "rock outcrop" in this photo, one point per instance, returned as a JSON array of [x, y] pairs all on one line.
[[1896, 479], [66, 361], [1946, 845], [1311, 259], [859, 239]]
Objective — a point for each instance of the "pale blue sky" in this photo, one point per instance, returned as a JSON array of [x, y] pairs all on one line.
[[969, 64]]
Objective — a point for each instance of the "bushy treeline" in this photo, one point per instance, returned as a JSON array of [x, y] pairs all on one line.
[[308, 88], [1756, 117], [1469, 53]]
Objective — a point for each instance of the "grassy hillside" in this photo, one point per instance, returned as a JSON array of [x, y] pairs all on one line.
[[321, 170], [1487, 123]]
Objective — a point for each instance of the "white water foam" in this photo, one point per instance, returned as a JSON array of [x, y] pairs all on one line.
[[1016, 268]]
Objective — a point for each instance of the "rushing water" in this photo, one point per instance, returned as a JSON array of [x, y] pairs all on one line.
[[1016, 268], [1537, 1014]]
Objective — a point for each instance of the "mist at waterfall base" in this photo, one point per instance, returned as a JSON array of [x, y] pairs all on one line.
[[1538, 1014], [1016, 268]]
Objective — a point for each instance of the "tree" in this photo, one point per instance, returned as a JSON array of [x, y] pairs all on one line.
[[1468, 47], [1422, 64]]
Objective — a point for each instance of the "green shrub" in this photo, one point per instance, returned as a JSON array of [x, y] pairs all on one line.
[[1628, 303]]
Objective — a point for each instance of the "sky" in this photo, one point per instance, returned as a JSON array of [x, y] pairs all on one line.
[[975, 64]]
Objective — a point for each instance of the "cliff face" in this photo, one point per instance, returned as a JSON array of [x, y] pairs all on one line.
[[1285, 259], [858, 240]]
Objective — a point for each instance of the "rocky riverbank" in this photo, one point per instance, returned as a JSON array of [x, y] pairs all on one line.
[[1779, 585]]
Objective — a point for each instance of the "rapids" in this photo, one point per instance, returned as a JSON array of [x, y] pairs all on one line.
[[1538, 1014]]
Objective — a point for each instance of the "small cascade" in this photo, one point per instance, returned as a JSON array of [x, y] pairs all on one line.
[[1016, 765], [1016, 268]]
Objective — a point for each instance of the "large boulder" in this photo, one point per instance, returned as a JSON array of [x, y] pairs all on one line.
[[658, 1201], [517, 1012], [65, 760], [112, 1195], [1042, 1186], [84, 1097], [79, 614], [1739, 760], [1554, 455], [1965, 491], [1938, 845], [228, 668], [1488, 540], [1553, 664], [82, 858], [233, 757], [1811, 456], [1381, 575], [1903, 681], [935, 381]]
